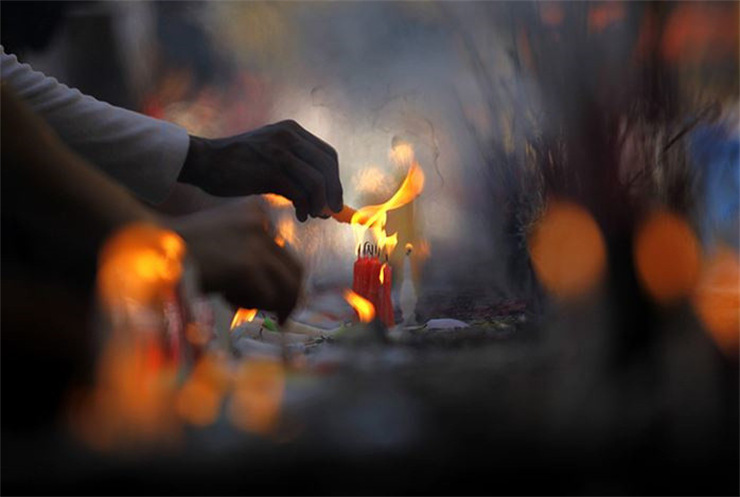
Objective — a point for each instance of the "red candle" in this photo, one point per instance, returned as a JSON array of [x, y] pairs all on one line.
[[386, 303], [357, 274], [373, 286], [368, 283]]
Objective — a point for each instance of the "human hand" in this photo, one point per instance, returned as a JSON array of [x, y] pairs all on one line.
[[280, 158], [238, 258]]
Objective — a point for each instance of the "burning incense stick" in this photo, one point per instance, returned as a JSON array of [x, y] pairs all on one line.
[[345, 215]]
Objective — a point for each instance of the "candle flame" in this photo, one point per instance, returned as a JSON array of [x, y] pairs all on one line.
[[381, 276], [409, 248], [373, 217], [364, 308], [243, 316]]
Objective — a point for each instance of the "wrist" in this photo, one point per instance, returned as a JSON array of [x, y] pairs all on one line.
[[194, 170]]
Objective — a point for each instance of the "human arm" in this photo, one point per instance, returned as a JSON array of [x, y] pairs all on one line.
[[72, 208], [149, 156], [144, 154]]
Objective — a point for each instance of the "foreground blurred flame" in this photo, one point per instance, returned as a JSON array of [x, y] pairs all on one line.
[[131, 402], [243, 316], [198, 401], [364, 308], [138, 264], [258, 396]]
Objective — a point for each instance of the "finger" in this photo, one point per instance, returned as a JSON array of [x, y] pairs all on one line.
[[327, 167], [288, 188], [311, 181]]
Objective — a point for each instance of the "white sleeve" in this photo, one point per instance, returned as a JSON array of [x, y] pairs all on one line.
[[143, 153]]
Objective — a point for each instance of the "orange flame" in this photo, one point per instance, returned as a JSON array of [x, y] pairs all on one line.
[[364, 308], [381, 277], [373, 217], [243, 316]]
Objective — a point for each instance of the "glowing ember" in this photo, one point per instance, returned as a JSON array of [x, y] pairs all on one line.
[[243, 316], [365, 310]]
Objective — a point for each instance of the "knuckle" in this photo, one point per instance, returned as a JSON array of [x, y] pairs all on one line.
[[290, 124], [333, 154]]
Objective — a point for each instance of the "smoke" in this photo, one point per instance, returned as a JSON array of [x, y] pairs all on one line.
[[362, 75]]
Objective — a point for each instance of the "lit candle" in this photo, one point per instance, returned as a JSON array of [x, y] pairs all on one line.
[[373, 281], [408, 293], [386, 303]]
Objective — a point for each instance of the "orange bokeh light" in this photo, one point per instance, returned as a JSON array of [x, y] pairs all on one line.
[[717, 299], [258, 396], [601, 15], [667, 257], [139, 263], [198, 402], [551, 13], [567, 249]]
